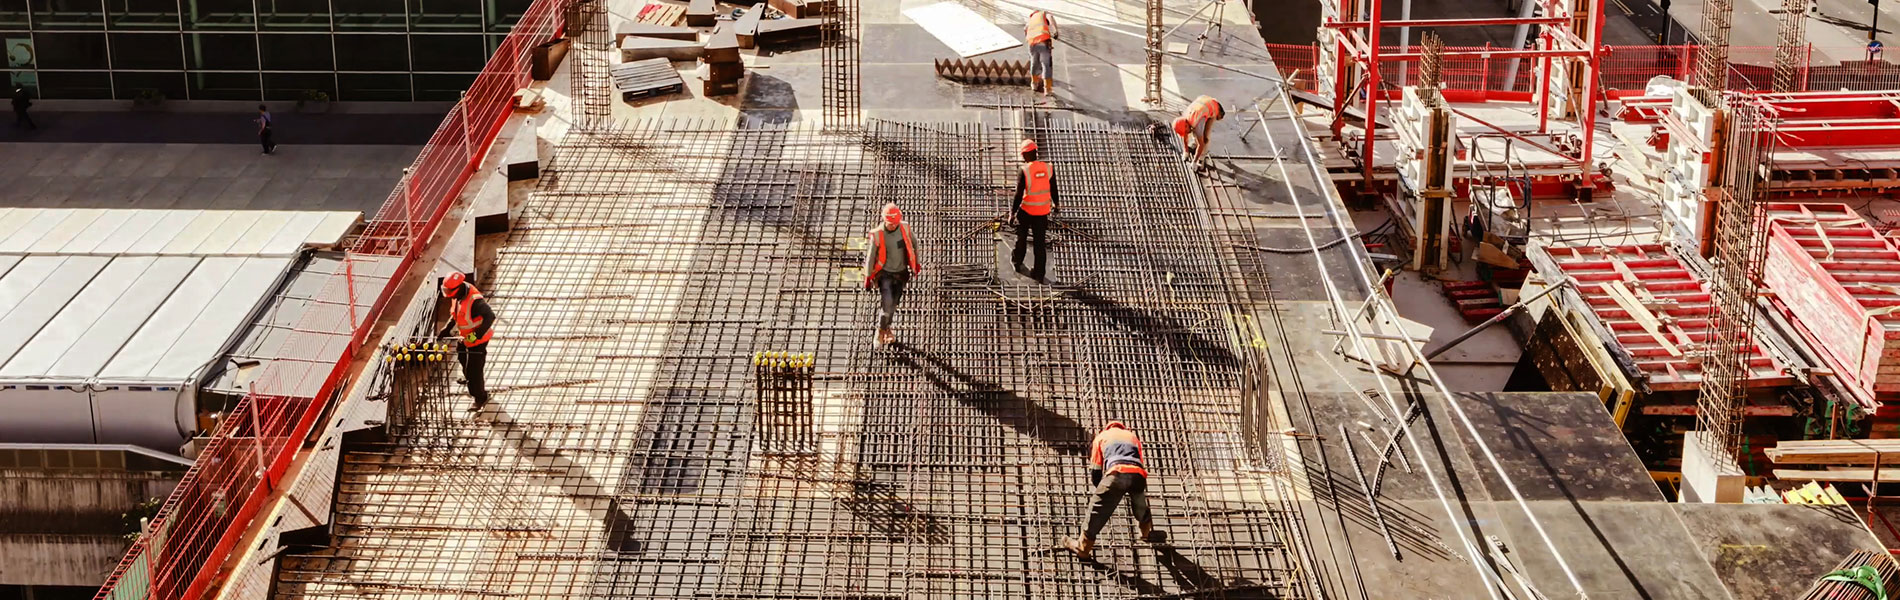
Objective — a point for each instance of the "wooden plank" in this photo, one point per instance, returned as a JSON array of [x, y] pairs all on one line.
[[1641, 315], [1838, 475], [1835, 452]]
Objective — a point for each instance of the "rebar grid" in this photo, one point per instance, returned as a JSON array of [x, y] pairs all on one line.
[[841, 87], [654, 261], [1791, 42], [1711, 67], [593, 86], [1741, 246]]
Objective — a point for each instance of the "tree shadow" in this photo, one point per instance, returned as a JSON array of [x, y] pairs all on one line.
[[878, 504], [1161, 330], [1059, 432], [577, 485]]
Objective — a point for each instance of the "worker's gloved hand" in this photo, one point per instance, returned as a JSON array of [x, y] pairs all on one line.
[[1095, 476]]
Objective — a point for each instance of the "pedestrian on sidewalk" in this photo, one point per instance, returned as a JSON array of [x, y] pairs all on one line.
[[264, 129], [1116, 470], [1035, 203], [20, 103], [1039, 32], [889, 263], [472, 323]]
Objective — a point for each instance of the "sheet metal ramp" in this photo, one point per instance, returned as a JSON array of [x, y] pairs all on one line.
[[656, 258]]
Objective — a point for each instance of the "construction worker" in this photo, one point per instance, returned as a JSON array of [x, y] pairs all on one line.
[[1035, 201], [472, 324], [1194, 124], [1039, 32], [1116, 468], [889, 263]]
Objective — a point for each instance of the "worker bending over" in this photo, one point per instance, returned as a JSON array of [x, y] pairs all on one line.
[[889, 263], [1195, 124], [1035, 202], [1039, 32], [1116, 468], [472, 325]]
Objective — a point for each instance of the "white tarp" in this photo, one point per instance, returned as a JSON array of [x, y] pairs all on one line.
[[962, 30]]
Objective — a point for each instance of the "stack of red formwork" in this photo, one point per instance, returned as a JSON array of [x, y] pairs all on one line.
[[1658, 311], [1839, 279]]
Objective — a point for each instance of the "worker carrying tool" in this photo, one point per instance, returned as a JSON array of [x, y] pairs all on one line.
[[1039, 32], [1195, 124], [1035, 203], [889, 263], [1116, 468], [472, 324]]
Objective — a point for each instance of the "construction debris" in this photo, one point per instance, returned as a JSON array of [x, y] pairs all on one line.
[[644, 48], [722, 67], [646, 79], [648, 30]]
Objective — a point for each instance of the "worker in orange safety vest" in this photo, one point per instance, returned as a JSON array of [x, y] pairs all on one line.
[[889, 264], [1195, 124], [1035, 202], [1116, 469], [1039, 33], [472, 324]]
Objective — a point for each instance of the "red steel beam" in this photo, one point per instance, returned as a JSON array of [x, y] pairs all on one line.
[[1855, 133], [1450, 22]]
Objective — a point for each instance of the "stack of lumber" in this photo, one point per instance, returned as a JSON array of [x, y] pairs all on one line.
[[803, 9], [1843, 460], [655, 13], [1838, 279], [1863, 575]]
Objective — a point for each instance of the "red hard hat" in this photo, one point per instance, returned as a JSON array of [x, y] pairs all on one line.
[[1028, 146], [1181, 126], [453, 283], [1114, 425], [891, 214]]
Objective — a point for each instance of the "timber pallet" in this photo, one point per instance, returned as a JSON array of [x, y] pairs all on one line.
[[660, 14], [646, 79]]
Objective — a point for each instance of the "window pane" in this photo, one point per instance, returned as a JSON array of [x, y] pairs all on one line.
[[142, 14], [445, 15], [298, 86], [146, 51], [71, 50], [67, 14], [19, 48], [296, 52], [222, 51], [449, 52], [442, 87], [219, 14], [379, 15], [365, 87], [367, 52], [58, 84], [312, 15], [223, 86], [13, 14], [503, 14], [171, 85]]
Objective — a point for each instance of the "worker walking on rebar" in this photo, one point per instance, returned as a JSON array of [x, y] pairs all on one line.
[[472, 324], [1116, 466], [1039, 32], [1195, 124], [889, 263], [1035, 203]]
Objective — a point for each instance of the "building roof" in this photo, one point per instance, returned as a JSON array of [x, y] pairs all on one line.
[[139, 295]]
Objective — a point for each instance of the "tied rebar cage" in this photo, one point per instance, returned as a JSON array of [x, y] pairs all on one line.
[[593, 85], [655, 262], [840, 90], [1740, 249], [1791, 49]]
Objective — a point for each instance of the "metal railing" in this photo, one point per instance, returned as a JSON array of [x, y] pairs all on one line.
[[183, 550]]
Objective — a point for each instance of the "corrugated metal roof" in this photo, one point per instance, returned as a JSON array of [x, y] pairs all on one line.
[[140, 295]]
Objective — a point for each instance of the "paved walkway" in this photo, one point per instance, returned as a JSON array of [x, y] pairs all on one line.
[[147, 127]]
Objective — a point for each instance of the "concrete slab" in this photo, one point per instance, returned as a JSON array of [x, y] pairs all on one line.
[[75, 175]]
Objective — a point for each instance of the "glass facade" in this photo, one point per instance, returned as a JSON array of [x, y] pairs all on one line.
[[347, 50]]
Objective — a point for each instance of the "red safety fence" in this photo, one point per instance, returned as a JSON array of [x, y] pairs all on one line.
[[180, 555], [1625, 69]]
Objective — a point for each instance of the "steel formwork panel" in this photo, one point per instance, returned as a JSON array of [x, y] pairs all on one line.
[[1658, 310], [1839, 278]]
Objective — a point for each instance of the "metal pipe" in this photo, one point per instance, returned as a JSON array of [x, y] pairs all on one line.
[[1495, 319], [1518, 37]]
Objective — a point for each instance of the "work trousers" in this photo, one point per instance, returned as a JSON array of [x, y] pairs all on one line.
[[474, 360], [1109, 492], [1028, 225], [1042, 60], [890, 287], [264, 139]]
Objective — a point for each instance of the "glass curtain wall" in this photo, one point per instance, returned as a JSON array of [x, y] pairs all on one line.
[[346, 50]]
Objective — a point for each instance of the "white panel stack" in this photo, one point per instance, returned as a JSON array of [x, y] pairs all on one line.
[[1686, 168]]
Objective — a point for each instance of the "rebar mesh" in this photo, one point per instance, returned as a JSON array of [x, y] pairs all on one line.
[[1740, 249]]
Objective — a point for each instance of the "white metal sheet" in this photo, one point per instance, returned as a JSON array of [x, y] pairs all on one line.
[[228, 232], [14, 219], [195, 234], [7, 261], [54, 293], [964, 31], [225, 314], [296, 233], [46, 413], [25, 277], [155, 238], [34, 229], [110, 332], [67, 229], [144, 415], [101, 228], [331, 231], [172, 319], [268, 225], [84, 312]]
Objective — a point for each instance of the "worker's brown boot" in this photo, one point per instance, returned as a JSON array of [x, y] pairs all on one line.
[[1148, 532], [1035, 83], [888, 337], [1082, 547], [1048, 86]]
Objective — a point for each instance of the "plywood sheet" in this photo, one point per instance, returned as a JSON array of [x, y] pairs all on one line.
[[962, 30]]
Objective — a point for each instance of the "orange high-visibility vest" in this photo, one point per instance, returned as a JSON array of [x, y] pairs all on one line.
[[1117, 451], [1036, 30], [1036, 196], [910, 251], [1204, 109], [465, 320]]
